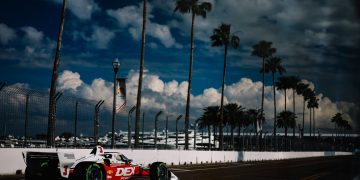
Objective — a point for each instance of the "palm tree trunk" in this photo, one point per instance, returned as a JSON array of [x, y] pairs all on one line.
[[209, 133], [263, 86], [310, 121], [239, 128], [313, 119], [232, 136], [273, 82], [294, 112], [303, 123], [221, 139], [286, 123], [262, 102], [142, 54], [51, 115], [285, 98], [189, 81]]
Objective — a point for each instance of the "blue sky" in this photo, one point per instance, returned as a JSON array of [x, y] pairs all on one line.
[[318, 41]]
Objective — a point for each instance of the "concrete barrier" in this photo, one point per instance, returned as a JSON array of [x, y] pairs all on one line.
[[11, 158]]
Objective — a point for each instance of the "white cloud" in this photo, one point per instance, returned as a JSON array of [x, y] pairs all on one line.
[[69, 80], [130, 17], [32, 35], [83, 9], [6, 34], [33, 48], [171, 97], [101, 37]]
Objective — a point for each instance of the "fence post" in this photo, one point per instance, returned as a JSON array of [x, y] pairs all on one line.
[[96, 121], [76, 119], [57, 97], [129, 125], [143, 126], [156, 124], [26, 119]]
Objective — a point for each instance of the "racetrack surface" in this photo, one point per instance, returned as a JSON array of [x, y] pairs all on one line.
[[339, 167]]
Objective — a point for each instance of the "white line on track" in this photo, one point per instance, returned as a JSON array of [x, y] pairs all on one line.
[[205, 169]]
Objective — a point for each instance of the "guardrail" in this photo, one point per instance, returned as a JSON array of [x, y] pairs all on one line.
[[12, 161]]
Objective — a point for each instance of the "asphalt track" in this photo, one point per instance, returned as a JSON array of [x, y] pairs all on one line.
[[339, 167]]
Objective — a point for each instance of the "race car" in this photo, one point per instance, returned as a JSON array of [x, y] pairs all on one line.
[[98, 165]]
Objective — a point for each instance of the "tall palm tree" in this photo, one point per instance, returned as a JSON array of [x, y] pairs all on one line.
[[222, 37], [314, 105], [263, 50], [283, 83], [231, 113], [208, 119], [241, 121], [310, 97], [196, 9], [336, 119], [302, 89], [255, 117], [294, 81], [142, 55], [274, 66], [286, 119], [51, 115]]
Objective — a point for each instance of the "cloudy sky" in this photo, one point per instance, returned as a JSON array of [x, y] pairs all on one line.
[[317, 40]]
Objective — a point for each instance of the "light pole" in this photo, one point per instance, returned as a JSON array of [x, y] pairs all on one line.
[[129, 125], [156, 124], [177, 120], [116, 65]]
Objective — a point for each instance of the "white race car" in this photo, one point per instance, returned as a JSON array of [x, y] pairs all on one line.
[[98, 165]]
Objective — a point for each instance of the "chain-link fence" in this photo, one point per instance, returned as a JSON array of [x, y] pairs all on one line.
[[24, 119]]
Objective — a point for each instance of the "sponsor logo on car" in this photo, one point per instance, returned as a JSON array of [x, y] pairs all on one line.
[[128, 171]]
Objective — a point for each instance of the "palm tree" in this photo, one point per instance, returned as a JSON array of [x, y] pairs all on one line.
[[273, 65], [336, 119], [51, 115], [222, 37], [255, 117], [294, 81], [231, 113], [196, 9], [286, 119], [302, 89], [283, 83], [311, 98], [241, 121], [208, 119], [263, 50], [314, 104], [142, 54]]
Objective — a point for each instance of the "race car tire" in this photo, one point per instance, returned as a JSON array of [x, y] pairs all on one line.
[[28, 175], [94, 171], [159, 171]]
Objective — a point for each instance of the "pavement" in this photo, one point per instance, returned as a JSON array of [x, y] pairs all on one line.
[[340, 167], [337, 168]]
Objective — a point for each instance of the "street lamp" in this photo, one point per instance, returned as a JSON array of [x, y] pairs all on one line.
[[156, 124], [116, 65], [177, 120], [129, 125]]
